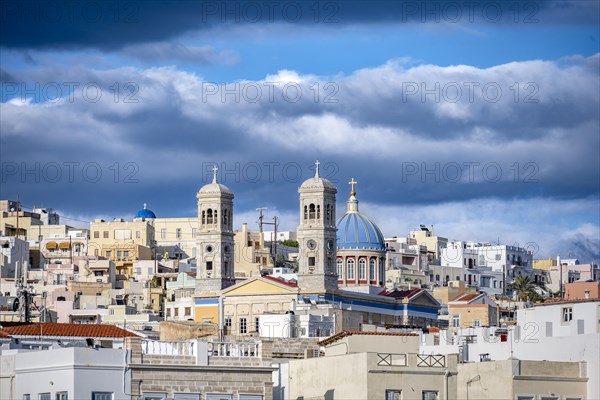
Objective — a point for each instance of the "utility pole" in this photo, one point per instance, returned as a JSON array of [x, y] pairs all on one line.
[[260, 226]]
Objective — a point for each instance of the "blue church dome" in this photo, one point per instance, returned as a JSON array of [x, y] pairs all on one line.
[[145, 213], [357, 231]]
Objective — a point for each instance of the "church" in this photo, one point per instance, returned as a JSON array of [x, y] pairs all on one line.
[[340, 267]]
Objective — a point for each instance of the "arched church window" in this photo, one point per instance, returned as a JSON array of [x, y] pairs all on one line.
[[327, 214], [437, 277], [224, 217], [311, 211], [350, 269], [372, 269], [381, 270], [340, 268], [203, 217], [318, 212], [362, 269], [305, 212], [216, 219], [209, 216]]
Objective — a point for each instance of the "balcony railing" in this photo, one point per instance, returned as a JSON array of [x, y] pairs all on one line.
[[190, 348]]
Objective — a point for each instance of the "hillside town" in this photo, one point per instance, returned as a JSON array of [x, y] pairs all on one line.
[[189, 308]]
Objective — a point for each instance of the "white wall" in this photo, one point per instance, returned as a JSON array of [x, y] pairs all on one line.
[[79, 371]]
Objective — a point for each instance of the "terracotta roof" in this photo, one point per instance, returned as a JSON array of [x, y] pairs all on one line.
[[68, 330], [400, 294], [4, 335], [343, 334], [468, 297], [282, 281]]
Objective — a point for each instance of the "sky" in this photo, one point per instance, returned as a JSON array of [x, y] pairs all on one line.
[[481, 118]]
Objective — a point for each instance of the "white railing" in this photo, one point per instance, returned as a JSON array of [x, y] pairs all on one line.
[[169, 348], [224, 349]]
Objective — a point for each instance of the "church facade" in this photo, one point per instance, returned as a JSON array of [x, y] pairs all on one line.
[[322, 286]]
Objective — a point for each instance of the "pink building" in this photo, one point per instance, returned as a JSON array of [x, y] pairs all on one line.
[[582, 290]]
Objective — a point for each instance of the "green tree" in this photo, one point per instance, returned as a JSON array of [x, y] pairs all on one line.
[[524, 287], [291, 243]]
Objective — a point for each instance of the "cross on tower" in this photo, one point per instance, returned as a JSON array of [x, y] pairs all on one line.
[[215, 169], [317, 168], [352, 182]]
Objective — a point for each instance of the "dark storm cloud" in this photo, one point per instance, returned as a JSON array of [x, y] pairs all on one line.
[[111, 25]]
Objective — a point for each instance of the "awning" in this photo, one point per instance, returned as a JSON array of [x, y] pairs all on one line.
[[65, 245], [51, 246]]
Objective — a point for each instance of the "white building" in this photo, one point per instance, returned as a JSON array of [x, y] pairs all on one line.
[[14, 251], [269, 236], [65, 373], [566, 331], [296, 326]]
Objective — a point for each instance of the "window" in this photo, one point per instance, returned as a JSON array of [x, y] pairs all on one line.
[[44, 396], [178, 233], [96, 234], [477, 323], [340, 268], [350, 269], [150, 270], [163, 233], [176, 311], [105, 234], [107, 253], [98, 273], [209, 265], [137, 234], [126, 254], [228, 322], [392, 394], [209, 216], [154, 396], [243, 326], [194, 234], [256, 324], [168, 312], [362, 269], [119, 253], [26, 397], [62, 396], [311, 211], [456, 321], [372, 269], [311, 261], [188, 311], [430, 395], [567, 313], [138, 270], [186, 396]]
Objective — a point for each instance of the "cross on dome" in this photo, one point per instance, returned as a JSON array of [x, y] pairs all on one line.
[[215, 169], [317, 169], [352, 183]]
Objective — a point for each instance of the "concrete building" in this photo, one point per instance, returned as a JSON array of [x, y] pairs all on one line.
[[122, 242], [560, 331], [473, 309], [434, 244], [373, 365], [571, 273], [522, 380], [404, 252], [198, 369], [65, 373], [14, 252], [251, 255]]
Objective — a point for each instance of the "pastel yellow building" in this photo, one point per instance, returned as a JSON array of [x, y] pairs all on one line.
[[544, 264]]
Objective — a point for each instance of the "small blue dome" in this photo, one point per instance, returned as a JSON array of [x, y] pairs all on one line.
[[145, 213], [356, 231]]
